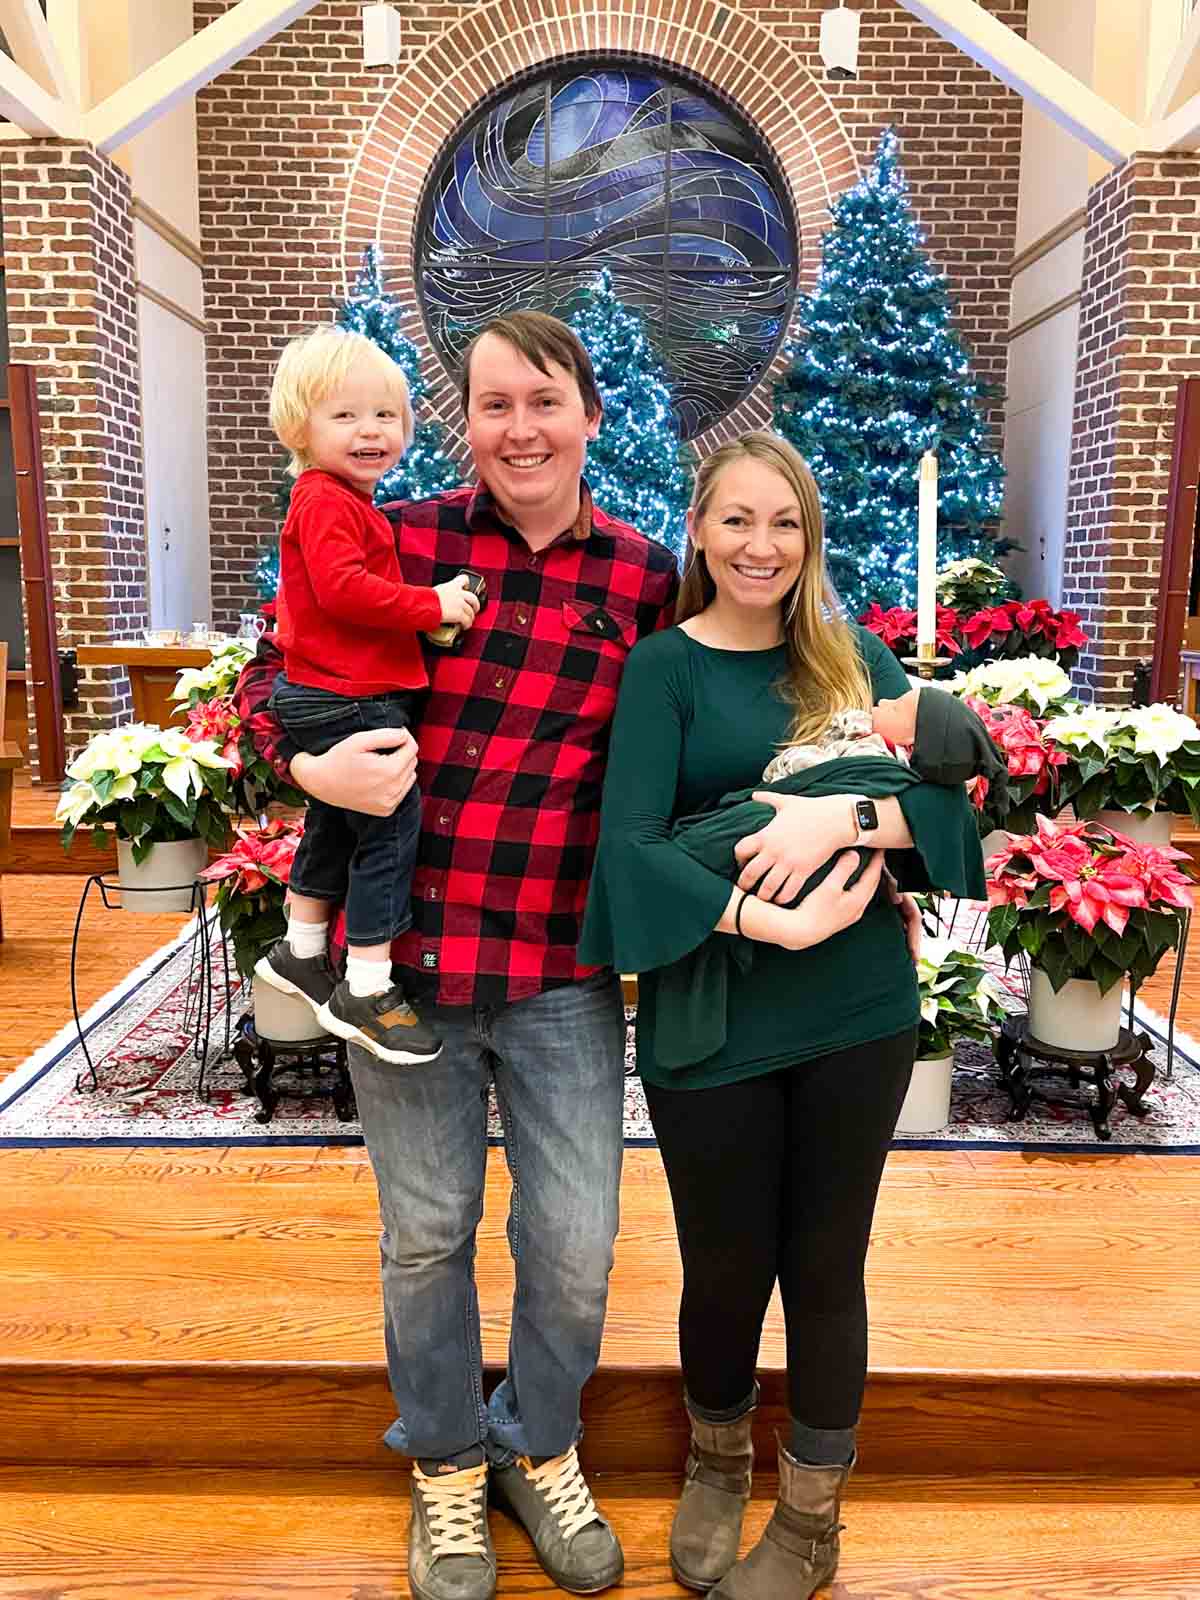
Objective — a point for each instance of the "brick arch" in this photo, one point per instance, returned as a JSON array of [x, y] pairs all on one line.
[[501, 42]]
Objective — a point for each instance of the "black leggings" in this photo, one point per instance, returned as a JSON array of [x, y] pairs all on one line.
[[775, 1178]]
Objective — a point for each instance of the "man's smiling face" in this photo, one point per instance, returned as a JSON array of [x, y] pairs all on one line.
[[528, 432]]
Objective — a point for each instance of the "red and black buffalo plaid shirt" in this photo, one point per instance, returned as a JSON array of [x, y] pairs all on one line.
[[513, 738]]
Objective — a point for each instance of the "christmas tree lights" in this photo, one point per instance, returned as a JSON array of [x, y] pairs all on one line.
[[637, 469], [880, 377]]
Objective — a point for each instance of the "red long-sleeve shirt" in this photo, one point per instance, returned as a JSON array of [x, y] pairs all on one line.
[[347, 621]]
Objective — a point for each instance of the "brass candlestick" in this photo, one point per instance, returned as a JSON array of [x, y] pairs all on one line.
[[926, 661]]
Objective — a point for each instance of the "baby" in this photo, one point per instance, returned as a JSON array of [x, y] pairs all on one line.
[[348, 625], [889, 729]]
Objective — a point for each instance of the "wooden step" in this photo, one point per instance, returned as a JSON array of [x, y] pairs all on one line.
[[221, 1307], [340, 1535]]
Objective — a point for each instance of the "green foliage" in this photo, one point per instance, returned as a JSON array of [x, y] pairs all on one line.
[[880, 377], [958, 1000]]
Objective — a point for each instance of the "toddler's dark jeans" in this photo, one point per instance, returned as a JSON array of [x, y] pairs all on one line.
[[365, 861]]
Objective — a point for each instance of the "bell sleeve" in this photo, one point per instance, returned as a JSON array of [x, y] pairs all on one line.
[[649, 902]]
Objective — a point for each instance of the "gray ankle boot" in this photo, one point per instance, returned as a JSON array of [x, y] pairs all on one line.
[[708, 1523], [799, 1549]]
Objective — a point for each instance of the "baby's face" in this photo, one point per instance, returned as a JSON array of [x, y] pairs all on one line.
[[896, 720], [357, 431]]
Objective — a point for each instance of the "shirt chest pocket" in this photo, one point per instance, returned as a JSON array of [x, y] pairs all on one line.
[[594, 642]]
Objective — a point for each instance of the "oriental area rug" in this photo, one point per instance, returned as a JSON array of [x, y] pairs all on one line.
[[141, 1038]]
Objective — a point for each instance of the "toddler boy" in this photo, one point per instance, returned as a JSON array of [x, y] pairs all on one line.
[[347, 625]]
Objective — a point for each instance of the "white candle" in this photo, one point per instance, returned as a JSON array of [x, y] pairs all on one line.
[[927, 508]]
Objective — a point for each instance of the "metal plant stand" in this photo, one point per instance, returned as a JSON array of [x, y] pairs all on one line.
[[316, 1066], [1022, 1057], [198, 1013]]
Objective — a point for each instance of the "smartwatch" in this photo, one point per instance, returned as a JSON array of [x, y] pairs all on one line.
[[866, 819]]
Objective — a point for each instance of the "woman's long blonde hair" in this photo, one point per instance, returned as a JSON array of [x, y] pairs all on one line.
[[825, 672]]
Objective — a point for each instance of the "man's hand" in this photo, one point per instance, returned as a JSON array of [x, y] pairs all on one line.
[[779, 859], [354, 776], [457, 602], [910, 916]]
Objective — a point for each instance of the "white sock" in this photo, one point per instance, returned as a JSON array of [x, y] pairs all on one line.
[[308, 939], [367, 977]]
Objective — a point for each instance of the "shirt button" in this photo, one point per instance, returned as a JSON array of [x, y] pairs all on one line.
[[499, 683], [522, 617], [433, 894], [472, 749], [443, 822]]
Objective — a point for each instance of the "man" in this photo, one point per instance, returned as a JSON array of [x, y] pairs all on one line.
[[513, 741]]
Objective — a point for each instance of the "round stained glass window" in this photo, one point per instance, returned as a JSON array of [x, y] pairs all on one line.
[[625, 168]]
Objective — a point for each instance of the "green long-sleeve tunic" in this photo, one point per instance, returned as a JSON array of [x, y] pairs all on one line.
[[694, 723]]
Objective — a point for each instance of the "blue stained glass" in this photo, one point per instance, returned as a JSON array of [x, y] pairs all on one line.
[[606, 166]]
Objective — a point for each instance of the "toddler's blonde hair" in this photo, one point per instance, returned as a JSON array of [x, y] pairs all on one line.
[[310, 369]]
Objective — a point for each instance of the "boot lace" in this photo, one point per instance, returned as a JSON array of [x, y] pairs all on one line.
[[453, 1506], [561, 1482]]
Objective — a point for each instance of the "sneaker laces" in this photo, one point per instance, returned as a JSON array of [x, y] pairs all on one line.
[[561, 1482], [453, 1504]]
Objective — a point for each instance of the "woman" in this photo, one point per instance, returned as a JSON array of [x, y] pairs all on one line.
[[773, 1144]]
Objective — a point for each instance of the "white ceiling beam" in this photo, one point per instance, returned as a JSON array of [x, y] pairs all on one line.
[[1028, 70], [25, 103], [1179, 131], [1182, 78], [32, 46], [68, 29], [187, 68]]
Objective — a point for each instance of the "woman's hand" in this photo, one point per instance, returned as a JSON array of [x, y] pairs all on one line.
[[779, 859], [831, 906], [910, 916], [355, 776]]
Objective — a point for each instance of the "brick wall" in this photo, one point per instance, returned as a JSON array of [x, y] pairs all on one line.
[[1138, 335], [305, 157], [71, 286]]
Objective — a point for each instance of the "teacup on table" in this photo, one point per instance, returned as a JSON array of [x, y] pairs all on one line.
[[160, 636]]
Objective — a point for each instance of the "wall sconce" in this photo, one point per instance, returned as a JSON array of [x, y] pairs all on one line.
[[381, 35]]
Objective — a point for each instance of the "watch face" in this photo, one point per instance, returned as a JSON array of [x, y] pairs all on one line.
[[866, 815]]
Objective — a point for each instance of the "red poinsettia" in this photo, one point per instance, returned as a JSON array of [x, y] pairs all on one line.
[[1022, 740], [1030, 620], [897, 626]]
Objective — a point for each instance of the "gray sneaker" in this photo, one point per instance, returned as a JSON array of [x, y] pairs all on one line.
[[450, 1555], [312, 979], [385, 1024], [554, 1505]]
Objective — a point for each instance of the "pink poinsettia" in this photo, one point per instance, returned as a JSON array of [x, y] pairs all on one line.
[[260, 856], [218, 721], [1022, 741]]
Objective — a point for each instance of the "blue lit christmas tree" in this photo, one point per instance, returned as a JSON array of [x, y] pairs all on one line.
[[637, 469], [880, 377], [425, 468]]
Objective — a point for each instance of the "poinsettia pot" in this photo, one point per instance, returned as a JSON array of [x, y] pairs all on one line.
[[926, 1107], [1078, 1017], [1152, 827], [283, 1018], [163, 880]]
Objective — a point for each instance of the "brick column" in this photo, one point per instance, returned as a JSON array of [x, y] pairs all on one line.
[[72, 314], [1138, 335]]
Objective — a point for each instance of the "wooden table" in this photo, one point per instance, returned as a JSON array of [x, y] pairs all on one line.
[[152, 672], [1189, 682]]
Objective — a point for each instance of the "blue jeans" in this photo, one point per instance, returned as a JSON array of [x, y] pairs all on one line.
[[365, 861], [557, 1061]]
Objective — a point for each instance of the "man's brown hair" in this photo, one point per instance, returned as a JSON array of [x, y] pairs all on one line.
[[540, 339]]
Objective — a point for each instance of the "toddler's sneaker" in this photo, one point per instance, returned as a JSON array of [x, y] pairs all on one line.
[[385, 1024], [313, 979]]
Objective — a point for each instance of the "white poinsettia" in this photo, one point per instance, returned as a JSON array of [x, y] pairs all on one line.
[[1157, 730], [118, 750], [182, 771], [1075, 729], [1038, 682], [75, 803], [218, 677]]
